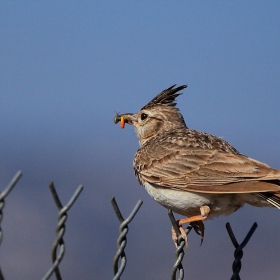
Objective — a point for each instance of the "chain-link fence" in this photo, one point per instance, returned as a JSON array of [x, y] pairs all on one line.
[[177, 270], [58, 248], [119, 261]]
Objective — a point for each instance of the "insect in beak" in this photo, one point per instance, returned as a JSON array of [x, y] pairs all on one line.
[[123, 119]]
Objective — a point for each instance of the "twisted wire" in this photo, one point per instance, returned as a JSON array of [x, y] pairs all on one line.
[[60, 230], [179, 254], [3, 195], [238, 253], [121, 242]]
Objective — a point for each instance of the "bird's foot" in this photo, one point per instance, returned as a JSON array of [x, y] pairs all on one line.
[[183, 235], [196, 223], [199, 228]]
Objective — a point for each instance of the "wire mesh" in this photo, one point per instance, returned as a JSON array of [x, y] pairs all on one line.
[[3, 195], [119, 262], [60, 230], [238, 253], [179, 254], [121, 242]]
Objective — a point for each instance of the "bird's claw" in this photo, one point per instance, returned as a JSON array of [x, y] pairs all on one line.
[[183, 235], [199, 228]]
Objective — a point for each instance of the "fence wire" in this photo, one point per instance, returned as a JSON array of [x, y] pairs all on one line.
[[121, 242], [3, 195], [120, 260], [238, 253], [60, 230], [179, 254]]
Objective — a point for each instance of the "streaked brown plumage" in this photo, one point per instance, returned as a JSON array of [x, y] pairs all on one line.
[[186, 170]]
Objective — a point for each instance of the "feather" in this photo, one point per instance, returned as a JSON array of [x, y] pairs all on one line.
[[166, 97], [213, 167], [273, 199]]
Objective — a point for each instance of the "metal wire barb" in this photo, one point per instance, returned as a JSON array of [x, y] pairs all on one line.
[[122, 237], [3, 195], [238, 253], [179, 254], [60, 230]]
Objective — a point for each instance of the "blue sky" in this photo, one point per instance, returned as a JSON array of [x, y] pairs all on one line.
[[66, 67]]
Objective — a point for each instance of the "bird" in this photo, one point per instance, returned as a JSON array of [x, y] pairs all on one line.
[[193, 173]]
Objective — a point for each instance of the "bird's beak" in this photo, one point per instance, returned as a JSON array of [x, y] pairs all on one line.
[[125, 118]]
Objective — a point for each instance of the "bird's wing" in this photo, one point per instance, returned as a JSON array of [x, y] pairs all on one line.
[[179, 163]]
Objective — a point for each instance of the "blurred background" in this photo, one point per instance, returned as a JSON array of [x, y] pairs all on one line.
[[66, 67]]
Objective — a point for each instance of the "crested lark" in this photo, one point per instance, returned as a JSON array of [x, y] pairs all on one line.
[[193, 173]]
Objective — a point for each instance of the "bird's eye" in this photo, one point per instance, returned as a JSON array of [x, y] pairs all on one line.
[[143, 116]]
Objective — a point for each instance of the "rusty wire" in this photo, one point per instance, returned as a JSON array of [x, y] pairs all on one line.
[[179, 254], [121, 242], [238, 253], [3, 195], [60, 230]]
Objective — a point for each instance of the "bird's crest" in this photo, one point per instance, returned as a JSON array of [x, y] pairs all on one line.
[[166, 97]]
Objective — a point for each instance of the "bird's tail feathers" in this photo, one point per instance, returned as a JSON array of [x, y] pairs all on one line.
[[273, 199]]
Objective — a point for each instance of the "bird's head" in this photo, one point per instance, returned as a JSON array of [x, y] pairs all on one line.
[[159, 116]]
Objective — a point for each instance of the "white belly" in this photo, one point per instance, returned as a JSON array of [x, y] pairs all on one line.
[[188, 203]]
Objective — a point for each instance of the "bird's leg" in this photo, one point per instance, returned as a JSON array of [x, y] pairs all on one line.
[[196, 223], [204, 212]]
